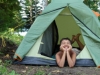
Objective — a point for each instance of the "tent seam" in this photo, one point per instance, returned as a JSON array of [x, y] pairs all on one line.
[[52, 11], [85, 25]]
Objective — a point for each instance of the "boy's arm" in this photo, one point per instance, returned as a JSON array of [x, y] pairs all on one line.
[[60, 59], [71, 58]]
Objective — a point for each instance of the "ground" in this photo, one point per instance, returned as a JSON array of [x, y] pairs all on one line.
[[45, 70], [51, 70]]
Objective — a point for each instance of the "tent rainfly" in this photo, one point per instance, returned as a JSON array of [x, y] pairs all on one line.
[[61, 18]]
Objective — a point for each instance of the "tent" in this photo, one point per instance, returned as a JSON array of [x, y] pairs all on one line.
[[61, 18]]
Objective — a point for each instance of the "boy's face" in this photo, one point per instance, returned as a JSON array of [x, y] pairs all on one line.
[[65, 43]]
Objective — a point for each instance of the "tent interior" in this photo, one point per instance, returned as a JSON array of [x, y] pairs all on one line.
[[67, 26], [63, 26]]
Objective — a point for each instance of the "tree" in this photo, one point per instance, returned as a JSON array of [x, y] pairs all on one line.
[[30, 11], [93, 5], [9, 14], [10, 20], [44, 3]]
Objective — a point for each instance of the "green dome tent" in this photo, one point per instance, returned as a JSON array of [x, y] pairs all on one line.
[[61, 18]]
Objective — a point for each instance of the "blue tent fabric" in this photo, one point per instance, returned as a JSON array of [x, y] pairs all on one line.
[[41, 61]]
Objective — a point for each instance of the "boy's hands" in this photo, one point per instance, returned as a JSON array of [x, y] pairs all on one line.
[[62, 48], [69, 48], [65, 48]]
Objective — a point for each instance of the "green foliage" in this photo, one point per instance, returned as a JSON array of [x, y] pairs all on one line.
[[7, 63], [16, 39], [9, 40], [29, 2], [4, 71], [13, 73], [49, 1], [11, 36], [92, 4], [31, 10], [9, 14], [40, 73]]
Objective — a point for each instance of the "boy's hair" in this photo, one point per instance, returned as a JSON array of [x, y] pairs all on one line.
[[65, 39]]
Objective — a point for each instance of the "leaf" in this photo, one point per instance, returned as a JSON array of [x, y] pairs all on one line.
[[12, 72]]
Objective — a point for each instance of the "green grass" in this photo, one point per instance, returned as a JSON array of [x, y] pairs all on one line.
[[13, 39], [40, 72], [11, 36], [16, 39], [4, 70]]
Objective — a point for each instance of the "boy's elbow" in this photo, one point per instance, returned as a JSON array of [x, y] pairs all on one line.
[[61, 66], [71, 66]]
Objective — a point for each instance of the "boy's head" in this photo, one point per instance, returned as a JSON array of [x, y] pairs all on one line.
[[65, 39]]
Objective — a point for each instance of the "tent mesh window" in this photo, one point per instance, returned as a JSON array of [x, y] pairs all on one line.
[[49, 41]]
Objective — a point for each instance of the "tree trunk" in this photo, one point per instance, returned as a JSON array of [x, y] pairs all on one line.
[[30, 1]]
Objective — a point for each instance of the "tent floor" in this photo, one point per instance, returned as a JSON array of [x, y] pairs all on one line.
[[41, 61]]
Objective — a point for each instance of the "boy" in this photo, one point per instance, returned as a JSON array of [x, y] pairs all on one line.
[[66, 53]]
